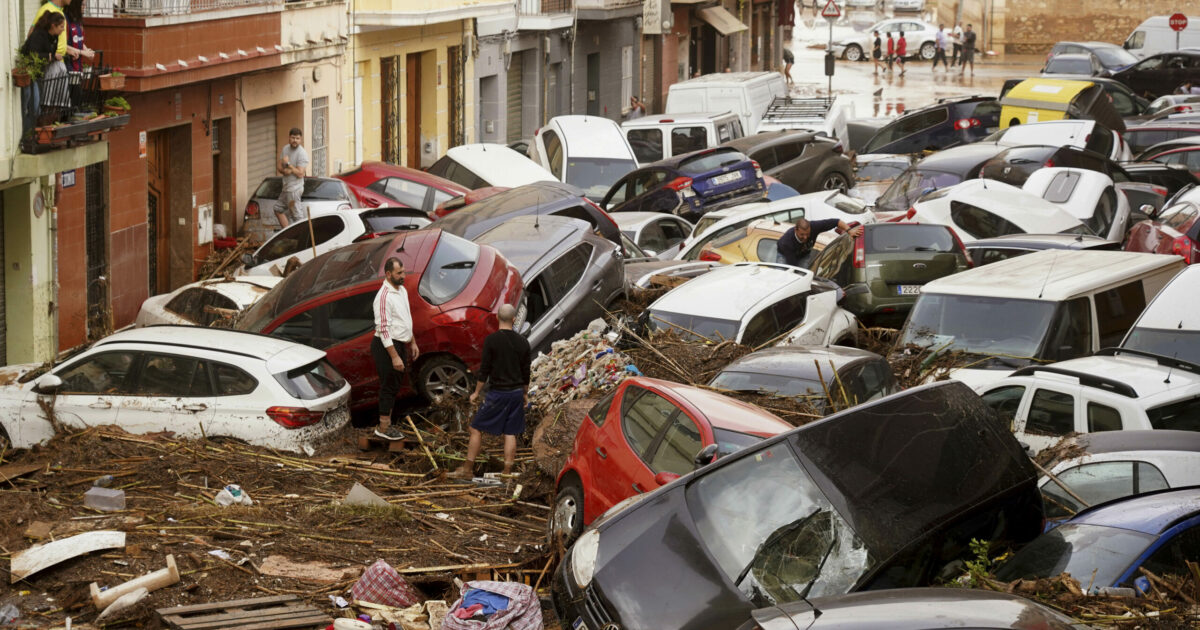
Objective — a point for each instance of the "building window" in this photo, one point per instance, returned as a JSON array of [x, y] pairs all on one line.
[[320, 114]]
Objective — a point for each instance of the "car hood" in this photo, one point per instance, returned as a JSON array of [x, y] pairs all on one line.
[[11, 375], [638, 274]]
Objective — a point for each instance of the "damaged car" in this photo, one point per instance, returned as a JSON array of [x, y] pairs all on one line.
[[833, 507]]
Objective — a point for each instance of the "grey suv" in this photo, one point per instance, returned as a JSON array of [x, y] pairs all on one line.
[[804, 160]]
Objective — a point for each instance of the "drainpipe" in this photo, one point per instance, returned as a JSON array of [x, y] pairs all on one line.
[[574, 36]]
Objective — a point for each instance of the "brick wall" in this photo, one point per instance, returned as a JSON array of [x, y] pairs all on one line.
[[1033, 26]]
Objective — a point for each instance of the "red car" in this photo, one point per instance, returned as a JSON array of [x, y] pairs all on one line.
[[1175, 230], [1188, 157], [382, 184], [642, 435], [454, 289]]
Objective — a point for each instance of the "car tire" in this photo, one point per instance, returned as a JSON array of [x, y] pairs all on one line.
[[928, 50], [443, 374], [833, 180], [566, 518], [853, 52]]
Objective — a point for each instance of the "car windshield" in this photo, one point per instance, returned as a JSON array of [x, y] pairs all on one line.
[[1069, 65], [711, 161], [772, 532], [595, 176], [449, 270], [315, 189], [310, 382], [982, 325], [1114, 56], [692, 326], [880, 170], [911, 185], [1092, 554], [1176, 343], [776, 384]]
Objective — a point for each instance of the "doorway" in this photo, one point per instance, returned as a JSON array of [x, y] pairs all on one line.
[[169, 209], [222, 168], [593, 84], [99, 321], [412, 67]]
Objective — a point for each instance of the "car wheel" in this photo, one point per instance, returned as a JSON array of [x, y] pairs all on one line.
[[834, 180], [566, 520], [853, 53], [927, 50], [443, 375]]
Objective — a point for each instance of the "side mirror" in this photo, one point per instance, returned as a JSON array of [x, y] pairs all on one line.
[[47, 384], [650, 252], [248, 259], [663, 478], [1147, 210], [706, 456]]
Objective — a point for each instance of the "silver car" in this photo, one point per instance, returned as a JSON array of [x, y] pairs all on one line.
[[320, 194], [919, 34]]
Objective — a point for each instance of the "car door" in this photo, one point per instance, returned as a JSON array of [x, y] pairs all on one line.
[[571, 305], [297, 241], [170, 392], [675, 231], [790, 169], [93, 388], [645, 414], [675, 449], [343, 328], [1052, 412]]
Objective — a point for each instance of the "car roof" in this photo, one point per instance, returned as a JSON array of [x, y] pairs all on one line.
[[1052, 274], [590, 136], [756, 283], [1150, 380], [1175, 306], [384, 169], [953, 159], [1041, 241], [1135, 440], [1151, 513], [746, 143], [528, 240], [546, 195], [722, 411], [279, 354], [799, 361], [654, 120], [487, 158]]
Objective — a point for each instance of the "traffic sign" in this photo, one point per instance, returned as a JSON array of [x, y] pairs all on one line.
[[832, 10], [1178, 22]]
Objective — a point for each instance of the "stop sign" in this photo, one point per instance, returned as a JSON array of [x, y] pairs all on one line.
[[1178, 22]]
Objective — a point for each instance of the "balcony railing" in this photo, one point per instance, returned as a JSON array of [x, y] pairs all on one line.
[[154, 8], [544, 7], [67, 110]]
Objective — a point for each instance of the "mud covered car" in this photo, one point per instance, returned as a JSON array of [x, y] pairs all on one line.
[[866, 499]]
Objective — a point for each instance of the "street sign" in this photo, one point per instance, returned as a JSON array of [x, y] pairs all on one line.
[[1178, 22], [832, 10]]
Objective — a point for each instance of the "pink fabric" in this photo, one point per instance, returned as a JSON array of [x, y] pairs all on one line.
[[524, 611], [381, 584]]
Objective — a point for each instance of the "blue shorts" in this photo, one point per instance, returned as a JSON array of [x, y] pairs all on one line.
[[502, 413]]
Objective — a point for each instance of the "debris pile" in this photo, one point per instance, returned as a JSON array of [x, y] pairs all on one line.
[[1168, 604], [586, 365]]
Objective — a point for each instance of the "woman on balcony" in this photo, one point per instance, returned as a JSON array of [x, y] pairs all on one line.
[[42, 42]]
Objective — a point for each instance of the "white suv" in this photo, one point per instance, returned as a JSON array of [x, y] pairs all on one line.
[[1111, 391], [188, 380]]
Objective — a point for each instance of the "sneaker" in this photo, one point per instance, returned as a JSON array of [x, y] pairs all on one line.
[[391, 433]]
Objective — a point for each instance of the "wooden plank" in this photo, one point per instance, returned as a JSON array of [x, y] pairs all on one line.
[[233, 603], [288, 617], [315, 619], [9, 472]]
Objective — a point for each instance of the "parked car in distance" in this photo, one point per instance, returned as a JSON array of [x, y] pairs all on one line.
[[1082, 134], [390, 185], [921, 37], [1162, 73], [986, 251], [947, 123], [883, 269], [655, 138], [454, 289], [1169, 104], [542, 198], [643, 434], [1085, 64], [1105, 546], [204, 303], [482, 165], [806, 161], [656, 234], [851, 376], [1109, 465], [747, 94], [570, 274], [1145, 135], [774, 302], [1174, 230], [767, 526], [1155, 35], [688, 185], [1187, 156], [589, 152], [330, 231], [1170, 324], [194, 382], [321, 195], [934, 172], [1089, 196], [981, 208], [1111, 56]]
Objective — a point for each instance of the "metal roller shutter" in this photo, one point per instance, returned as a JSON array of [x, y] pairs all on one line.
[[514, 97], [261, 147]]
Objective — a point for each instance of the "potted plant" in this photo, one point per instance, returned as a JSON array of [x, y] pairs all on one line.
[[116, 106], [112, 81], [28, 68]]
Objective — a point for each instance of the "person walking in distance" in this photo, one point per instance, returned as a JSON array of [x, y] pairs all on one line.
[[968, 52], [901, 51], [393, 348], [788, 60], [891, 51], [505, 370], [956, 37], [939, 48], [293, 159], [876, 51]]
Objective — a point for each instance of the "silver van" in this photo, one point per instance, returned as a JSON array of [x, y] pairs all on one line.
[[659, 137]]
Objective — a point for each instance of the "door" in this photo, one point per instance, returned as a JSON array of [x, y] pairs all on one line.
[[412, 108], [319, 140], [569, 308], [513, 105], [169, 393], [262, 146], [1050, 415], [99, 321], [158, 151], [345, 328], [93, 388], [593, 84], [644, 414]]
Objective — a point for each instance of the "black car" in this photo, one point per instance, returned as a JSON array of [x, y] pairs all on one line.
[[949, 122], [989, 250], [808, 372], [1170, 177], [1112, 58], [537, 198], [1162, 73], [1014, 165], [1124, 101], [940, 170], [804, 160], [1085, 64], [883, 495], [689, 185]]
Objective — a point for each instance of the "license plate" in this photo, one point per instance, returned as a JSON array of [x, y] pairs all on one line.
[[908, 289], [579, 625], [726, 178]]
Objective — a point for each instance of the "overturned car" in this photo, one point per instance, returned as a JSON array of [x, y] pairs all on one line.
[[883, 495]]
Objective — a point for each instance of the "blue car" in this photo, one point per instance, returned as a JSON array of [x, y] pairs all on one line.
[[689, 185], [1106, 545]]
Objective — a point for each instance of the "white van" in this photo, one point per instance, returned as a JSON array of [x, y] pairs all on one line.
[[1050, 305], [655, 138], [484, 164], [1154, 36], [1170, 325], [588, 152], [747, 94]]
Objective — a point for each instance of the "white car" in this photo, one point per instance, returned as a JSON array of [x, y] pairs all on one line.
[[330, 230], [484, 164], [588, 152], [1112, 391], [768, 302], [204, 303], [982, 208], [1085, 134], [193, 382], [321, 195], [657, 234], [920, 35], [1087, 195], [1170, 324]]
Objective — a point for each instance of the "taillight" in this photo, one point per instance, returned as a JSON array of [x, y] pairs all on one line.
[[966, 123], [1183, 109], [962, 248], [1183, 246], [912, 212], [757, 169], [860, 253], [709, 255], [837, 147], [1049, 163], [252, 209], [294, 417], [679, 183]]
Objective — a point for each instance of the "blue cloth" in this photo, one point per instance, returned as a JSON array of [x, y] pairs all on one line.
[[502, 413], [490, 601]]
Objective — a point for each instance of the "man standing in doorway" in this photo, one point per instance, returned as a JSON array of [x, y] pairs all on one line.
[[393, 348], [968, 52], [939, 48], [795, 247], [505, 370], [293, 159]]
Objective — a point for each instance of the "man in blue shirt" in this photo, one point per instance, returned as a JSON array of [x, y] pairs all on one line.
[[796, 245]]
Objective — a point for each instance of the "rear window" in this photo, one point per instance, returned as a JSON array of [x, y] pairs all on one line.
[[887, 239], [310, 382], [393, 222], [711, 161], [880, 170], [1180, 416], [980, 223], [449, 270]]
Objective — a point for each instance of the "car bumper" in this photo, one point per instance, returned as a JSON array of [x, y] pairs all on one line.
[[577, 609], [839, 49]]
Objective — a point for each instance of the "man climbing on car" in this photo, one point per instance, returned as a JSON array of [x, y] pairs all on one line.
[[796, 245]]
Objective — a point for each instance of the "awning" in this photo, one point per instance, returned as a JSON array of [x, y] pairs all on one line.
[[722, 20]]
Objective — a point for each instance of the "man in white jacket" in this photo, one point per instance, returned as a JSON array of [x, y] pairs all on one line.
[[393, 347]]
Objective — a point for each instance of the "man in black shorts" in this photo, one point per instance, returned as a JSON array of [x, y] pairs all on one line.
[[877, 51], [968, 53], [788, 60]]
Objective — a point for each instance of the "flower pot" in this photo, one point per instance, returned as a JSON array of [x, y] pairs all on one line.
[[113, 109], [44, 135], [110, 82], [21, 78]]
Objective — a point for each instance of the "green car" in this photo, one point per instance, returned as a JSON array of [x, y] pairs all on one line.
[[882, 270]]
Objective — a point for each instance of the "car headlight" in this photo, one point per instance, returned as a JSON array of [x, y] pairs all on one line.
[[583, 557]]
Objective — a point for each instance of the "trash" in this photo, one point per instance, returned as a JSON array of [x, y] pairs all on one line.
[[360, 495], [381, 584], [26, 563], [584, 365], [151, 582], [504, 604], [279, 566], [124, 601], [232, 494], [339, 601], [221, 553], [38, 530], [104, 499], [350, 624], [9, 614], [104, 482]]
